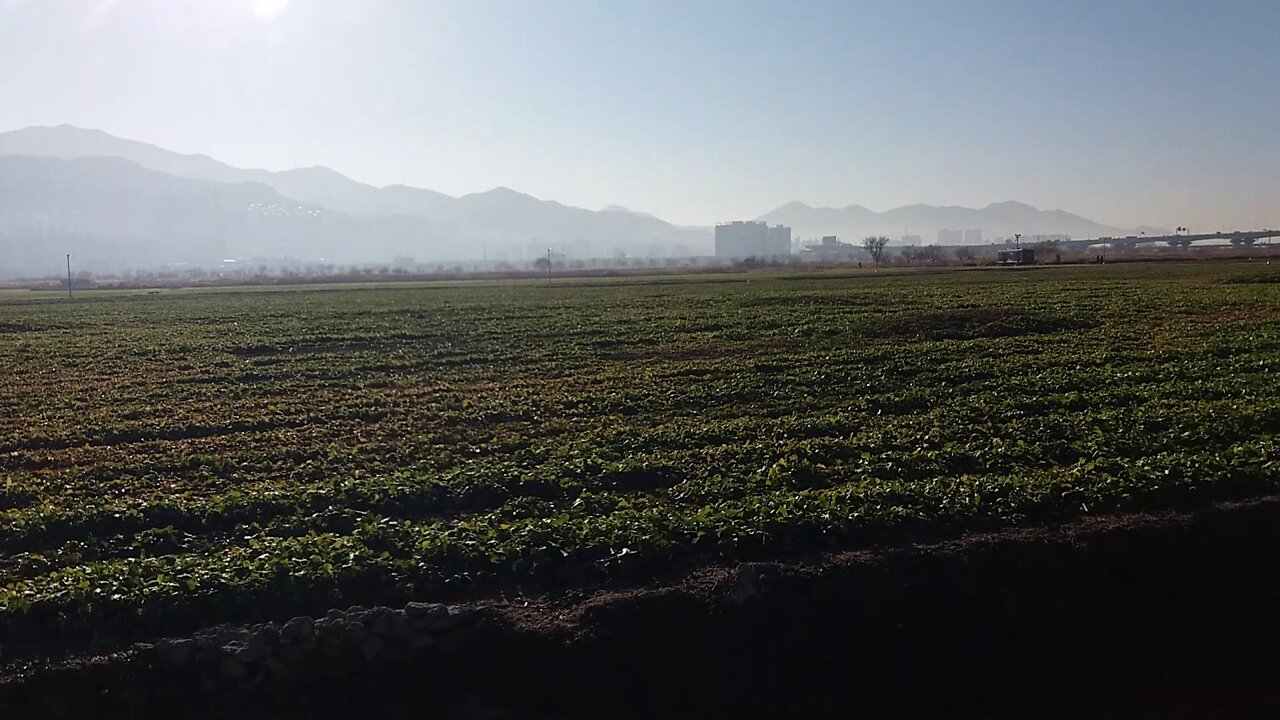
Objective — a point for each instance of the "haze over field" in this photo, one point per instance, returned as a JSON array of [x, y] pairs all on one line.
[[449, 130]]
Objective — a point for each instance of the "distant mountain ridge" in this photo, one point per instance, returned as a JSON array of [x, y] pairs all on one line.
[[112, 213], [317, 184], [1002, 219], [499, 223], [627, 211], [123, 201]]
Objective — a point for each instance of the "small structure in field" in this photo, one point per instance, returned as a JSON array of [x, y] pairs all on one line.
[[1016, 256]]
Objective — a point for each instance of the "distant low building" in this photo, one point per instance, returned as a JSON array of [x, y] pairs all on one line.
[[744, 239], [830, 248], [912, 240], [1016, 256]]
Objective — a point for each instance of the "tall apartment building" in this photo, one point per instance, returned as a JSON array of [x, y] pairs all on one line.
[[950, 237], [742, 239]]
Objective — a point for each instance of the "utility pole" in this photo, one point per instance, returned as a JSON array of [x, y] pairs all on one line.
[[68, 276], [548, 264]]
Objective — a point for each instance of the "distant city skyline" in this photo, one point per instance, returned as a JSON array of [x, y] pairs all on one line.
[[1130, 113]]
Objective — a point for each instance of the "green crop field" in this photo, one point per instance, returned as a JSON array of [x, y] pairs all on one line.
[[174, 459]]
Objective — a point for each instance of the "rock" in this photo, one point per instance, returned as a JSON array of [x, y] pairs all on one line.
[[456, 618], [247, 651], [208, 641], [274, 666], [330, 629], [750, 579], [400, 631], [428, 617], [372, 647], [335, 614], [143, 648], [356, 609], [258, 645], [298, 629], [416, 610], [271, 631], [353, 632], [176, 652]]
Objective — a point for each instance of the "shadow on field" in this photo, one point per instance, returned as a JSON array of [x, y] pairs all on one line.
[[1169, 616]]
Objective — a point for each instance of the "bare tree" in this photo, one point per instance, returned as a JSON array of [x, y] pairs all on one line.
[[931, 254], [874, 245]]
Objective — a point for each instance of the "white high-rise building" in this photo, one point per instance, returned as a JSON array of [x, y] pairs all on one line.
[[950, 237], [743, 239]]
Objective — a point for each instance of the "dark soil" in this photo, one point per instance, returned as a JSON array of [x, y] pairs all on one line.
[[1263, 279], [1162, 616], [971, 323]]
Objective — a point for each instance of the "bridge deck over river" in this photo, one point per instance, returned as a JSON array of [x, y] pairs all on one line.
[[1236, 237]]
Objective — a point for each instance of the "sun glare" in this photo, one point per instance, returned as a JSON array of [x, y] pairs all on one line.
[[269, 9]]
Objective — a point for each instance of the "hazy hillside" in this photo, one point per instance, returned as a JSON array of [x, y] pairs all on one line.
[[316, 185], [1001, 219], [498, 223], [114, 214], [495, 217], [627, 211]]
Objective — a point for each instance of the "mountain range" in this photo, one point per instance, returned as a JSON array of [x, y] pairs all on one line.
[[119, 203], [112, 213], [178, 204], [997, 220]]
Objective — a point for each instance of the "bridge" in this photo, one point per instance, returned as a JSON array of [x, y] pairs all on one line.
[[1236, 237]]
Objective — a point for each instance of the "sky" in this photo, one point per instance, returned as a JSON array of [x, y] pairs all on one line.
[[1129, 112]]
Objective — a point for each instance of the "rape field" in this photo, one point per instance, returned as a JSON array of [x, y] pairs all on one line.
[[176, 459]]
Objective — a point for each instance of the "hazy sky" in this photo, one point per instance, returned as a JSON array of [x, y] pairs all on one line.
[[1160, 111]]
